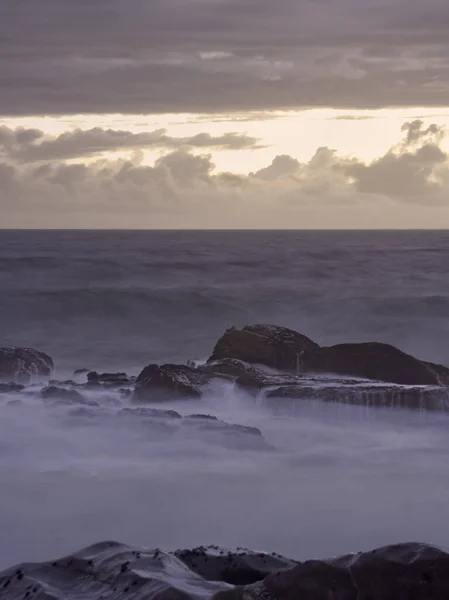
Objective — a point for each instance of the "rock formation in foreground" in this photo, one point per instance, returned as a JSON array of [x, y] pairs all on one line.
[[287, 350], [20, 365], [111, 571]]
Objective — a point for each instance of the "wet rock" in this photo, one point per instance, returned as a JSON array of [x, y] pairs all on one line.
[[371, 360], [59, 395], [81, 372], [10, 388], [402, 572], [246, 375], [169, 382], [152, 413], [95, 379], [287, 350], [228, 435], [365, 394], [20, 365], [270, 345]]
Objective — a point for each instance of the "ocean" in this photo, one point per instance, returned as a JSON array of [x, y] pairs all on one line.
[[342, 478]]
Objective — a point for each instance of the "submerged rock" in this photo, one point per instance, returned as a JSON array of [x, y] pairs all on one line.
[[169, 382], [59, 395], [9, 388], [270, 345], [113, 571], [20, 365]]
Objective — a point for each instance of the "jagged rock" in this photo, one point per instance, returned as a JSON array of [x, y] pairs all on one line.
[[366, 394], [371, 360], [58, 395], [20, 365], [270, 345], [9, 388], [402, 572], [167, 382], [152, 413]]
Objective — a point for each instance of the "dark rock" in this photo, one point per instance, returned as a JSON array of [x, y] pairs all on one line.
[[109, 379], [366, 394], [168, 382], [402, 572], [246, 375], [110, 570], [152, 413], [58, 395], [9, 388], [287, 350], [80, 372], [270, 345], [20, 365], [228, 435], [371, 360]]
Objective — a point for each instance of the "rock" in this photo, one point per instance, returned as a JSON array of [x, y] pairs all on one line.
[[364, 393], [95, 379], [371, 360], [110, 570], [287, 350], [169, 382], [269, 345], [58, 395], [245, 375], [80, 372], [228, 435], [20, 365], [10, 388], [402, 572]]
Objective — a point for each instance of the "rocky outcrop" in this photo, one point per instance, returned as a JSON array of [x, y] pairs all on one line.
[[113, 571], [402, 572], [362, 393], [269, 345], [289, 351], [371, 360], [21, 365], [168, 382], [111, 380], [246, 375]]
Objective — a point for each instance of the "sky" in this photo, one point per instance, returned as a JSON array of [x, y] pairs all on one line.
[[224, 114]]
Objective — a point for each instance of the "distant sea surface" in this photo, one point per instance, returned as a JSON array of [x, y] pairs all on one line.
[[120, 299]]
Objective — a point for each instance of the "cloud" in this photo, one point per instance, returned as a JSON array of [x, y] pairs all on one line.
[[30, 145], [183, 189], [65, 57]]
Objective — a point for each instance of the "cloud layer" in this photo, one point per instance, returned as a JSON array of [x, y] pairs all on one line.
[[183, 189], [139, 56]]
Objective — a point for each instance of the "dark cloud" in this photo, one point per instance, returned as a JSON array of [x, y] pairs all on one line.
[[144, 56], [31, 145]]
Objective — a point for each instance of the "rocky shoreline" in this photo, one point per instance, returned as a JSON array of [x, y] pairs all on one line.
[[271, 362], [113, 571]]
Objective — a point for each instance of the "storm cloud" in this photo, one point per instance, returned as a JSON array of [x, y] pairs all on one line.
[[66, 57]]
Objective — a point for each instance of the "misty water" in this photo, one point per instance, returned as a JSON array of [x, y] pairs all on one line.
[[337, 479]]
